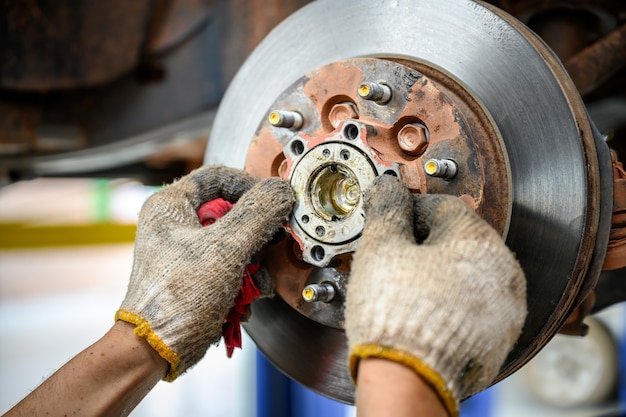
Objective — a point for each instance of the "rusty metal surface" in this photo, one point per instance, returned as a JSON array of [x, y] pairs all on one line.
[[458, 129], [616, 250], [69, 43], [598, 62]]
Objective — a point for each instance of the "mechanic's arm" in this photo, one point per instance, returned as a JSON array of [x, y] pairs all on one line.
[[434, 304], [387, 388], [109, 378], [183, 283]]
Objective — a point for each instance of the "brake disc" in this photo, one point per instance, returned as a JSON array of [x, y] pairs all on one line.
[[460, 100]]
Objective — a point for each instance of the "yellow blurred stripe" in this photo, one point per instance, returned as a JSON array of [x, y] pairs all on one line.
[[23, 236]]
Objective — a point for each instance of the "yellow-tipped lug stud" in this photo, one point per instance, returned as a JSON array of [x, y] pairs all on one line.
[[324, 292], [441, 168], [377, 92], [288, 119]]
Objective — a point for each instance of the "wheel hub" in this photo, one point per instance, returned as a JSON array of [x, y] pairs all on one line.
[[329, 175]]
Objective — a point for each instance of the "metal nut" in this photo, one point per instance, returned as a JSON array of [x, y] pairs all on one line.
[[413, 139], [342, 111]]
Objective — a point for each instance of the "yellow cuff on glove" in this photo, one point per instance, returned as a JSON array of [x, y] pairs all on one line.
[[144, 330], [431, 377]]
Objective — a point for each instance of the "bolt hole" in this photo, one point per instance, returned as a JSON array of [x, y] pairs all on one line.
[[390, 172], [345, 154], [297, 147], [335, 263], [326, 153], [318, 253], [305, 219], [320, 231], [351, 131]]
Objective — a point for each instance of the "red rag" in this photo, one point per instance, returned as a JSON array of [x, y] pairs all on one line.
[[208, 213]]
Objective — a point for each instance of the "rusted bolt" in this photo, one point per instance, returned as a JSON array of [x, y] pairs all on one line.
[[413, 139], [380, 93], [442, 168], [284, 118], [342, 111], [324, 292]]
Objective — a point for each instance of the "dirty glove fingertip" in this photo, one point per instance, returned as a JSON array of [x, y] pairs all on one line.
[[388, 207], [259, 213], [276, 193], [217, 181], [445, 218]]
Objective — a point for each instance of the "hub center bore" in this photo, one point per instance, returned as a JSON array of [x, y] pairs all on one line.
[[335, 192]]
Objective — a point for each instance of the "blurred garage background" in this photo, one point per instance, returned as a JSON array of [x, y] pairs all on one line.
[[89, 129]]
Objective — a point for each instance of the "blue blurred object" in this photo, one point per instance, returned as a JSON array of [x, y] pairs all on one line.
[[480, 405], [621, 382], [279, 396]]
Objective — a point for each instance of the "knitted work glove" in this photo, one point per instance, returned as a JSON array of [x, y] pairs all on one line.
[[450, 308], [185, 277]]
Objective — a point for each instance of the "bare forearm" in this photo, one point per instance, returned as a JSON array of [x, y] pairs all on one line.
[[386, 388], [108, 378]]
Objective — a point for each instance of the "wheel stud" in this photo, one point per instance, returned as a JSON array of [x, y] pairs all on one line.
[[380, 93]]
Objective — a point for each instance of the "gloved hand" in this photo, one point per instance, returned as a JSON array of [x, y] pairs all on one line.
[[185, 277], [450, 308]]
